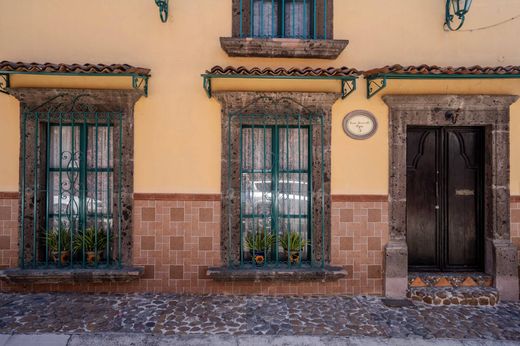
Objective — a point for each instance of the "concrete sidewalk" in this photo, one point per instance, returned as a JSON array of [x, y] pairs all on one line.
[[126, 339]]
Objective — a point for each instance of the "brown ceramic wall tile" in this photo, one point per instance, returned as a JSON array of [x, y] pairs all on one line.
[[346, 215], [5, 213], [374, 243], [374, 215], [5, 242], [147, 242], [176, 272], [148, 214], [177, 214], [206, 214], [374, 272], [346, 243], [177, 243], [149, 272], [205, 243]]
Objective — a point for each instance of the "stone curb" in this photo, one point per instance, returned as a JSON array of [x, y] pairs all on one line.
[[129, 339]]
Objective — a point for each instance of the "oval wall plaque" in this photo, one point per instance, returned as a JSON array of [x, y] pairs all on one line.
[[360, 124]]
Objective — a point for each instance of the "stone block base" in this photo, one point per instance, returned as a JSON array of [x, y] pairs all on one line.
[[478, 296]]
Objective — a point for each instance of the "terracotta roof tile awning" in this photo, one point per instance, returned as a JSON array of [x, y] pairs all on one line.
[[123, 69], [347, 76], [377, 79], [283, 72], [436, 70]]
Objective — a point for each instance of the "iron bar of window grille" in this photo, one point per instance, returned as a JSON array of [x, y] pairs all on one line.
[[252, 18], [305, 32], [314, 21], [283, 18], [322, 195], [96, 164], [83, 185], [71, 192], [241, 19], [47, 193], [263, 193], [229, 191], [325, 19], [253, 188], [120, 163], [287, 189], [22, 211], [242, 194], [276, 189], [60, 194], [300, 192], [273, 32], [109, 200], [35, 191], [262, 19], [293, 14], [310, 204]]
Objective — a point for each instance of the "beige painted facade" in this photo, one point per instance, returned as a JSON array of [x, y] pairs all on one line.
[[177, 142]]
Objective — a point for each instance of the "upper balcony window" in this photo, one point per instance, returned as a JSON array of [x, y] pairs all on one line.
[[289, 19], [283, 28]]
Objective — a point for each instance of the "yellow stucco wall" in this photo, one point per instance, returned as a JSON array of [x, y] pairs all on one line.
[[177, 129]]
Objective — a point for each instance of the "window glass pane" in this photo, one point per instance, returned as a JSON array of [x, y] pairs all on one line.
[[69, 159], [265, 18], [297, 22], [256, 194], [260, 148], [293, 194], [292, 158], [103, 149]]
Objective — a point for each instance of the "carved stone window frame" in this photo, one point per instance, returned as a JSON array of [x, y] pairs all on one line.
[[120, 101], [488, 111], [279, 104]]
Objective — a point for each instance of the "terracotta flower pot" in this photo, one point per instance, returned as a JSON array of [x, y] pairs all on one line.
[[294, 257], [258, 257], [91, 256], [63, 256]]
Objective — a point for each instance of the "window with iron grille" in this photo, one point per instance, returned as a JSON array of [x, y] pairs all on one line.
[[276, 209], [275, 194], [301, 19], [71, 183]]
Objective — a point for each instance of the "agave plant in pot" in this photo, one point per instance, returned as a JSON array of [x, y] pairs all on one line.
[[58, 242], [93, 242], [259, 243], [292, 244]]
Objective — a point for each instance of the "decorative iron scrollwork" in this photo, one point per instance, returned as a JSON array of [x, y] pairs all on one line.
[[375, 85], [4, 83], [163, 9]]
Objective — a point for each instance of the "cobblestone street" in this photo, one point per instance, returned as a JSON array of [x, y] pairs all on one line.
[[163, 314]]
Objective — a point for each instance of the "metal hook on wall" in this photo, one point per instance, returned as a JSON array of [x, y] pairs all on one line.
[[163, 9]]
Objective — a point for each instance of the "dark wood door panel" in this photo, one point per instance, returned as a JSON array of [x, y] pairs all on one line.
[[420, 195], [444, 198]]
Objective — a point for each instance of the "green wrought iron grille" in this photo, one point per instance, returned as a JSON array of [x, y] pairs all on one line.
[[71, 187], [304, 19], [276, 162]]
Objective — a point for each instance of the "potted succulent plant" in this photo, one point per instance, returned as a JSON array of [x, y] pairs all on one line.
[[258, 244], [93, 241], [58, 242], [292, 244]]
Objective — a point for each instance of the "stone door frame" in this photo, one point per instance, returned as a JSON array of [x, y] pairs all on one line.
[[488, 111]]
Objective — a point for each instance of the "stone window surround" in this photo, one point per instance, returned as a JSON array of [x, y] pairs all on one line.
[[237, 46], [121, 101], [488, 111], [273, 103]]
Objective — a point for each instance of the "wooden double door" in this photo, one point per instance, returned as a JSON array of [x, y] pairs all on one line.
[[444, 198]]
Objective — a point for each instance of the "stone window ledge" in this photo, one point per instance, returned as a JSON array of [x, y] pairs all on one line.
[[277, 274], [67, 276], [282, 47]]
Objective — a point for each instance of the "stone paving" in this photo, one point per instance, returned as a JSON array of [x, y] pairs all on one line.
[[169, 314]]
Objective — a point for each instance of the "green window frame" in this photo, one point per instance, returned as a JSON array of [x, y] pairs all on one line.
[[277, 158]]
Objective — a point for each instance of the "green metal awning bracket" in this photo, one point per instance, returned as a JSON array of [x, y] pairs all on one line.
[[378, 82], [348, 83], [5, 82], [163, 9], [139, 81]]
